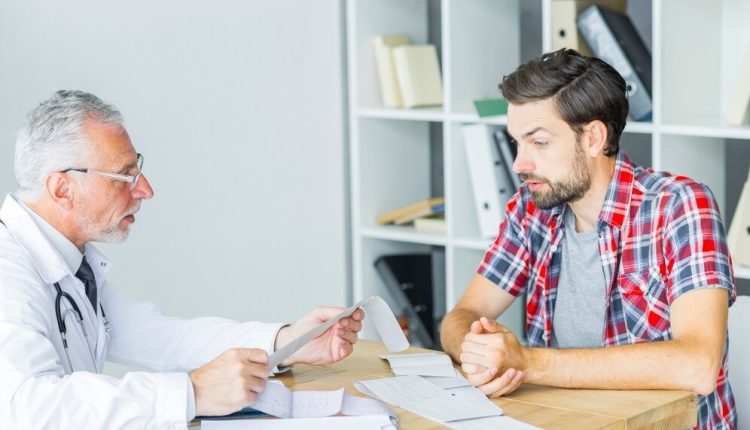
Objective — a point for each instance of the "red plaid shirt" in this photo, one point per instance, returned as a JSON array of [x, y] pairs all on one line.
[[660, 236]]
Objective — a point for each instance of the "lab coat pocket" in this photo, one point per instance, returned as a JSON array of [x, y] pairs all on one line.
[[644, 305]]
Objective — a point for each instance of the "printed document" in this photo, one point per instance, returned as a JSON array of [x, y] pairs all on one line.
[[279, 401], [422, 397]]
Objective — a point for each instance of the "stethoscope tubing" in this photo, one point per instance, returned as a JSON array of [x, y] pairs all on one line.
[[60, 316]]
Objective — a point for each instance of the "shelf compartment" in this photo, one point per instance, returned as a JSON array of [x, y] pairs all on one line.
[[393, 166], [403, 233], [693, 157], [697, 87], [372, 283], [483, 45], [370, 18]]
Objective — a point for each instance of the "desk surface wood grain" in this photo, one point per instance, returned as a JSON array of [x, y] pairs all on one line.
[[545, 407]]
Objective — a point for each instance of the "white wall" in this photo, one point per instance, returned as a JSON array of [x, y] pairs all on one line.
[[237, 107]]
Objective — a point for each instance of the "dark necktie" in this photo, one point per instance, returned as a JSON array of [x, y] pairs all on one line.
[[86, 275]]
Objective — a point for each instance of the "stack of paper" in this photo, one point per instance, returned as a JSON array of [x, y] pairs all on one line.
[[405, 214], [311, 410], [455, 403], [422, 364], [366, 422]]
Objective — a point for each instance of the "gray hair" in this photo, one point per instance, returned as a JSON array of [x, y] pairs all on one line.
[[54, 137]]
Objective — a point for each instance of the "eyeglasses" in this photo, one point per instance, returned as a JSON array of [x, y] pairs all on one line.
[[131, 179]]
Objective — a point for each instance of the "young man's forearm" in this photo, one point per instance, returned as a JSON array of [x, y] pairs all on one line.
[[691, 361], [453, 329], [658, 365]]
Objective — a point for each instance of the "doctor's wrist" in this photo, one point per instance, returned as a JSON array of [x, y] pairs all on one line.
[[284, 336]]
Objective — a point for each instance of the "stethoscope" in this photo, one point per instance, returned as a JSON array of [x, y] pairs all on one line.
[[61, 314]]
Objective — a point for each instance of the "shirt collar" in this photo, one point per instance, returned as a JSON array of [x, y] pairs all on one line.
[[617, 200], [67, 250], [46, 257]]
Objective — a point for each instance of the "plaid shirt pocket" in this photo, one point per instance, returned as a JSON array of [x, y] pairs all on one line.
[[644, 305]]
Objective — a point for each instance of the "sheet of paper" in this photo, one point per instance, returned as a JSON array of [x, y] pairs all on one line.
[[422, 364], [416, 394], [275, 399], [354, 405], [313, 404], [377, 311], [279, 401], [454, 382], [476, 397], [365, 422]]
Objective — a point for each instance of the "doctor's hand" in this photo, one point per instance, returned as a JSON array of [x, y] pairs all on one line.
[[333, 345], [230, 382], [492, 358]]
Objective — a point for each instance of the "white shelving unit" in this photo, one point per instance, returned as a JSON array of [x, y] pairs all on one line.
[[697, 48]]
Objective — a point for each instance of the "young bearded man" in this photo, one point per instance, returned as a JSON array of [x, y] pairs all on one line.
[[626, 271]]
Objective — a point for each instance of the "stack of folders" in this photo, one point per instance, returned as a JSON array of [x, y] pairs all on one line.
[[409, 74], [564, 29], [490, 154], [426, 215], [613, 38], [416, 282]]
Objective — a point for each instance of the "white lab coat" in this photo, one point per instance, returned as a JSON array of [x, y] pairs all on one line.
[[39, 391]]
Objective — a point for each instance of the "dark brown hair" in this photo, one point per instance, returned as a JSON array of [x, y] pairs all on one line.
[[584, 89]]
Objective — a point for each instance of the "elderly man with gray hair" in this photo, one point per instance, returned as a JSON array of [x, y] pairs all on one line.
[[80, 180]]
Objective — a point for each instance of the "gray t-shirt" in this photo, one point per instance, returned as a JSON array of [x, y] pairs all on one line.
[[578, 320]]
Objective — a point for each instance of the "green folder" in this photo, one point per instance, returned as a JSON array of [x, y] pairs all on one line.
[[491, 107]]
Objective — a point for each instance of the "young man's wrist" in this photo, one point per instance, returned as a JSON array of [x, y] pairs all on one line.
[[533, 359]]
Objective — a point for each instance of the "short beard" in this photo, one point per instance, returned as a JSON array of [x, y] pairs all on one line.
[[107, 234], [566, 191], [97, 232]]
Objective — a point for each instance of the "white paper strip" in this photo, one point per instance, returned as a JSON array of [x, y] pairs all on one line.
[[422, 364], [279, 401], [377, 311]]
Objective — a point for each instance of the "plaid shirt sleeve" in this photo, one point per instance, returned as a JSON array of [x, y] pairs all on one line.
[[695, 246], [506, 262]]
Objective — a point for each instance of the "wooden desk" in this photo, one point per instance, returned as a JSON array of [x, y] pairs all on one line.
[[550, 408]]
